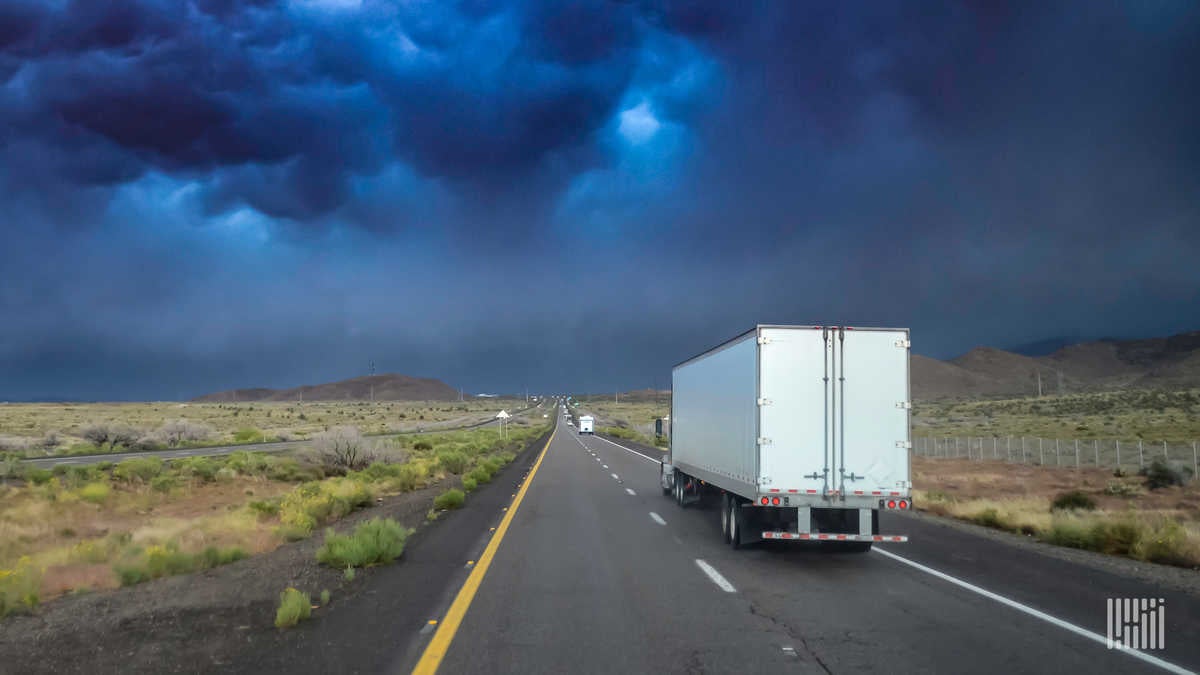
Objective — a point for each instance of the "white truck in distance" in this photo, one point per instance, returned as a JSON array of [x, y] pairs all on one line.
[[802, 432], [585, 425]]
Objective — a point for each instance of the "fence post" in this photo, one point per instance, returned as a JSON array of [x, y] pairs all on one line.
[[1041, 452], [1057, 453], [1165, 451], [1141, 455], [1096, 447], [1118, 453], [956, 447], [995, 453], [1008, 448], [1077, 453], [1195, 466], [1022, 449]]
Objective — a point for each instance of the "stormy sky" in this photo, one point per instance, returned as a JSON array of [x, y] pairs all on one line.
[[573, 196]]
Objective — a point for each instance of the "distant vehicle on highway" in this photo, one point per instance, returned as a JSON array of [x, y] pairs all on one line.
[[585, 425], [801, 431]]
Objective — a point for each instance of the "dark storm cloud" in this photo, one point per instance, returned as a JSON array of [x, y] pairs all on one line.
[[265, 192]]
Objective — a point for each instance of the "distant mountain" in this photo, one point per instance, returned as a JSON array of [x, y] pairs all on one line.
[[389, 387], [1155, 363], [1044, 347]]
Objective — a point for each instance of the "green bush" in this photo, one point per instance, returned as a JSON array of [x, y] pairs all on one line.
[[469, 484], [325, 596], [990, 518], [1165, 541], [265, 508], [38, 476], [167, 560], [454, 462], [422, 446], [248, 435], [1115, 537], [164, 483], [1160, 475], [1119, 489], [77, 476], [104, 466], [450, 499], [375, 541], [19, 588], [1068, 533], [1073, 500], [480, 475], [294, 607], [138, 469], [311, 505], [96, 493], [200, 468]]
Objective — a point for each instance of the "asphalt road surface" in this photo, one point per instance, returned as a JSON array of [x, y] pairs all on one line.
[[599, 572]]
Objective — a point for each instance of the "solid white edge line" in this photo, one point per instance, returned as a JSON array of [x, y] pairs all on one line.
[[1082, 632], [631, 492], [632, 452], [715, 576], [616, 477], [657, 518]]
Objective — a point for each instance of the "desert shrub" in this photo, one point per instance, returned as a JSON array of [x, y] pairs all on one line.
[[177, 432], [198, 468], [342, 449], [376, 541], [16, 444], [325, 597], [1115, 537], [11, 466], [469, 484], [162, 560], [104, 466], [138, 469], [450, 499], [1068, 533], [422, 446], [164, 483], [294, 607], [311, 505], [1161, 474], [1165, 541], [38, 476], [989, 517], [288, 470], [215, 557], [1073, 500], [454, 462], [349, 574], [96, 493], [19, 587], [75, 476], [1119, 489], [265, 508], [480, 475], [248, 435]]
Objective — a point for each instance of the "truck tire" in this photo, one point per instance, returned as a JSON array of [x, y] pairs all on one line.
[[735, 524], [725, 516], [678, 486]]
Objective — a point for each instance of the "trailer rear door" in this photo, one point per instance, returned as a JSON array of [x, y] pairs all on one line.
[[793, 395], [872, 406]]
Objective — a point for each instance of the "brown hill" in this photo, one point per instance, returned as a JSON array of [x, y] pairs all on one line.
[[1156, 363], [389, 387]]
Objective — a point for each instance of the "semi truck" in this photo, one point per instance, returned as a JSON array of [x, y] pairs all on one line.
[[801, 433], [586, 423]]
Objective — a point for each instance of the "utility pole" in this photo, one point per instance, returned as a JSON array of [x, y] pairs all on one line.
[[372, 381], [1039, 374]]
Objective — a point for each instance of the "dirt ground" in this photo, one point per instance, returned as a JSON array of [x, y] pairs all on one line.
[[90, 632], [972, 479]]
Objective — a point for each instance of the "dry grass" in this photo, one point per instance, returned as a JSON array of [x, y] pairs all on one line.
[[1172, 416], [73, 540], [1157, 525], [38, 428]]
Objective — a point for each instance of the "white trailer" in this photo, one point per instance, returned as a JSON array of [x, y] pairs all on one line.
[[801, 431], [585, 425]]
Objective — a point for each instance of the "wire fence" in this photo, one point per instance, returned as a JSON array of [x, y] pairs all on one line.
[[1070, 453]]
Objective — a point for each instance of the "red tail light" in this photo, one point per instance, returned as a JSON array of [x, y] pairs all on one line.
[[775, 501], [765, 501], [903, 504], [891, 503]]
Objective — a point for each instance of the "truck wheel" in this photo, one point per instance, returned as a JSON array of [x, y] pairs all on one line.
[[678, 486], [735, 524], [725, 516]]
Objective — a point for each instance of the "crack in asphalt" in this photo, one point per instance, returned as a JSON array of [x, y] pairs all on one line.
[[792, 634]]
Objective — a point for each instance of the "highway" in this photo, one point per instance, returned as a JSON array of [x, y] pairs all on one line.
[[597, 571]]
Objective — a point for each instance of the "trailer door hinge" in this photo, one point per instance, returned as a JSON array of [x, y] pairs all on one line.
[[764, 340], [904, 344], [907, 405], [764, 401], [763, 440], [903, 444]]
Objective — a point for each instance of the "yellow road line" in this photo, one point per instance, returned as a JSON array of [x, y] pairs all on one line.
[[436, 650]]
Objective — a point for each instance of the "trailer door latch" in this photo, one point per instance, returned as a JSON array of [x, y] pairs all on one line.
[[904, 344], [763, 440], [906, 405], [764, 340], [904, 444], [764, 401]]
